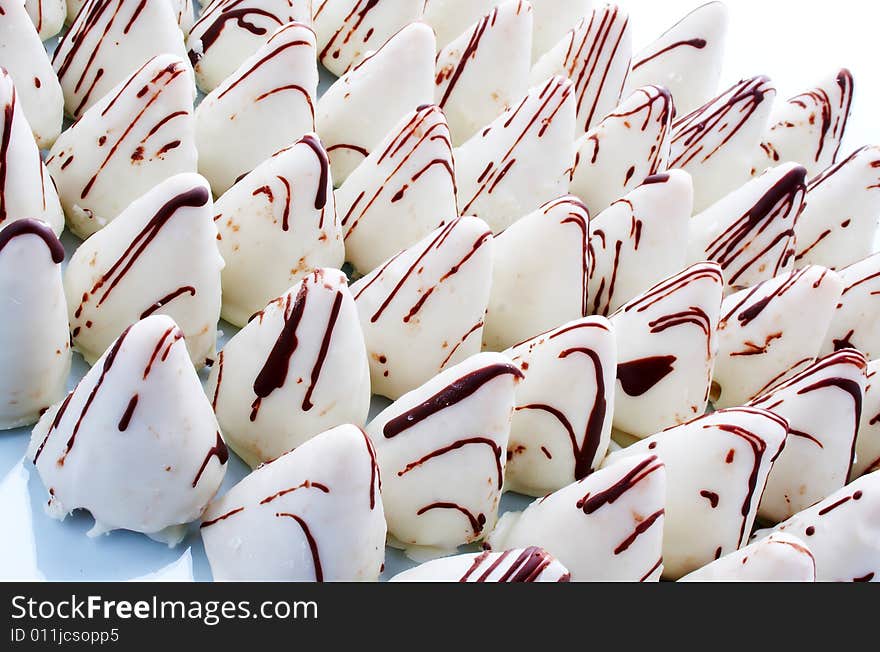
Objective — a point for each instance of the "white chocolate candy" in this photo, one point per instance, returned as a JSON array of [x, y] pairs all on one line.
[[35, 339], [716, 142], [159, 256], [522, 565], [440, 450], [485, 71], [522, 159], [230, 32], [553, 18], [842, 531], [26, 189], [362, 106], [716, 466], [265, 105], [856, 322], [772, 331], [562, 424], [107, 42], [595, 56], [666, 344], [136, 443], [423, 310], [822, 405], [606, 527], [868, 440], [275, 226], [23, 56], [311, 515], [401, 192], [298, 368], [639, 240], [686, 59], [778, 558], [349, 29], [839, 223], [808, 127], [135, 137], [626, 147], [47, 16], [450, 18], [750, 232], [531, 291]]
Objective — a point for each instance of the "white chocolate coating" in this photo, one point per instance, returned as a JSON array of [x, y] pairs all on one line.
[[298, 368], [423, 310], [362, 106], [716, 143], [666, 345], [127, 143], [562, 423], [35, 338], [230, 32], [607, 527], [183, 9], [23, 56], [136, 443], [275, 226], [440, 450], [626, 147], [772, 331], [263, 106], [778, 558], [522, 159], [401, 192], [531, 291], [822, 405], [159, 256], [314, 514], [639, 240], [348, 30], [716, 469], [808, 127], [521, 565], [26, 189], [750, 232], [687, 58], [485, 70], [868, 440], [47, 16], [107, 42], [839, 223], [595, 56], [856, 322], [842, 531]]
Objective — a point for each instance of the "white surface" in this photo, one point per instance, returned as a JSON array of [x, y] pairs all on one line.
[[794, 43]]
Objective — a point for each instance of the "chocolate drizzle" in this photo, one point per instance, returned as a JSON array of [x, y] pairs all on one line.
[[322, 352], [349, 28], [218, 16], [695, 43], [700, 135], [476, 522], [639, 530], [194, 198], [313, 545], [28, 226], [732, 248], [129, 412], [187, 289], [593, 502], [638, 377], [528, 566], [218, 450], [8, 117], [450, 395], [273, 374], [307, 484], [461, 443]]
